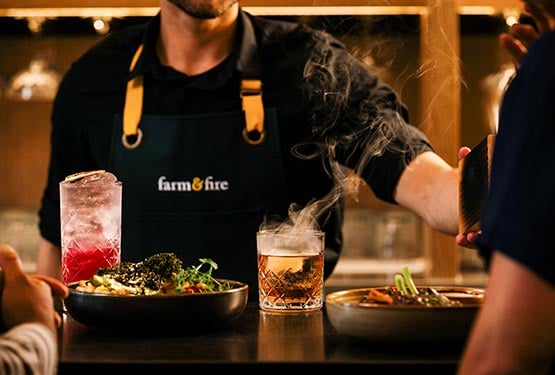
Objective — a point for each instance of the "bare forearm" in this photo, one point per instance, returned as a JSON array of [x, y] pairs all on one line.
[[513, 331], [430, 188]]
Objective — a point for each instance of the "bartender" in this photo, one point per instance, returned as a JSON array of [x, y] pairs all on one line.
[[216, 120]]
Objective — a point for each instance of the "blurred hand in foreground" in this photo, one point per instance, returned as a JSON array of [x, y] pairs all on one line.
[[27, 298], [521, 36]]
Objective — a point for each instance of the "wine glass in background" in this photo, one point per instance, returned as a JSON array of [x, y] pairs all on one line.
[[398, 244], [37, 82]]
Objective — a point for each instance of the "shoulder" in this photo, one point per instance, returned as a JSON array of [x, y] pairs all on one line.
[[116, 46], [530, 90], [544, 45], [291, 33], [290, 46], [540, 58], [107, 59], [101, 72]]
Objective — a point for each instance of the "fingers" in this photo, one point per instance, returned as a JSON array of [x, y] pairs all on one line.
[[516, 42], [57, 319], [513, 46], [468, 240], [10, 261], [58, 288], [461, 240], [473, 236], [12, 269], [9, 257], [464, 242], [550, 9], [522, 35], [543, 14], [463, 151], [525, 33]]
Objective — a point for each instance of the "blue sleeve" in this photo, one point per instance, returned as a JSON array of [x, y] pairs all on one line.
[[518, 217]]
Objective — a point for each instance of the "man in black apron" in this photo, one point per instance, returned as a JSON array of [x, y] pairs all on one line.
[[197, 113]]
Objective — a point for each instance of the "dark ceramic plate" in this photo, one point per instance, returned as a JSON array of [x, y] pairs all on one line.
[[157, 313], [380, 322]]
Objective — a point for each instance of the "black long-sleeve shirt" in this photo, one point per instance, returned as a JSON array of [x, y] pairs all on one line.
[[322, 95]]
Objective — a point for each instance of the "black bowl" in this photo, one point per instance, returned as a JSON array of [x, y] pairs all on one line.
[[157, 313]]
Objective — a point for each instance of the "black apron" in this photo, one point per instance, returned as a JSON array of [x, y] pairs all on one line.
[[196, 187]]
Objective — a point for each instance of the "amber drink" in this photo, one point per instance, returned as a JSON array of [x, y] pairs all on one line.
[[290, 270], [90, 213]]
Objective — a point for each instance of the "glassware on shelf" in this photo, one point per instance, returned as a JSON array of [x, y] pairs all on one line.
[[379, 243], [399, 243]]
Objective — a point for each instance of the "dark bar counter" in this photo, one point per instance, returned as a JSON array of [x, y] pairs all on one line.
[[256, 339]]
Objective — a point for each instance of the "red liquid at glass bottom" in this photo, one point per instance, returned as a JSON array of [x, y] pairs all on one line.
[[83, 263]]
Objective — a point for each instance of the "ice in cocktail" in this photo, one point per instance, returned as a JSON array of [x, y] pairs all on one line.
[[90, 213], [291, 270]]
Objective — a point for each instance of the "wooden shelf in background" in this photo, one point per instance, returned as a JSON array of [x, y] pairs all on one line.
[[122, 8], [440, 87]]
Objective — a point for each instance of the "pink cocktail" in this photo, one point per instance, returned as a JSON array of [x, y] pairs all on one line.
[[82, 264], [90, 213]]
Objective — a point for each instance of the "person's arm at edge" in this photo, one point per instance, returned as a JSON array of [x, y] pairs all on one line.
[[28, 347], [429, 186], [49, 261], [514, 328], [520, 36], [29, 321]]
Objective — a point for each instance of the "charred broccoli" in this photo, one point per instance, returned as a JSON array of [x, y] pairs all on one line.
[[151, 273], [163, 264]]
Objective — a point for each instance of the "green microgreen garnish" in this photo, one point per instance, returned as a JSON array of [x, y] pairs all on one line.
[[194, 277]]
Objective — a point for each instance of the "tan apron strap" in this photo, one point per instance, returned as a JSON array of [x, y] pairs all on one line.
[[133, 108], [251, 97]]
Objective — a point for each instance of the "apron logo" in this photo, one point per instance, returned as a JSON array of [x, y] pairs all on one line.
[[198, 184]]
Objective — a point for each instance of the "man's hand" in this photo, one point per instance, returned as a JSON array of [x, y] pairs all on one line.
[[27, 298], [466, 240], [521, 36]]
